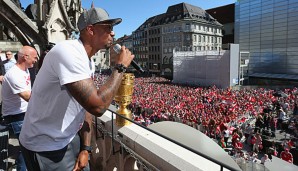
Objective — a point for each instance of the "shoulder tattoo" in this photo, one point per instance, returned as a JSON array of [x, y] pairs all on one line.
[[81, 90]]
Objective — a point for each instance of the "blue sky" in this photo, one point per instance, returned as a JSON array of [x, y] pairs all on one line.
[[135, 12]]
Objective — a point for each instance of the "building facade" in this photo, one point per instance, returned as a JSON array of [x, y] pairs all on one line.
[[182, 27], [267, 30], [225, 15], [127, 41], [101, 60], [155, 48]]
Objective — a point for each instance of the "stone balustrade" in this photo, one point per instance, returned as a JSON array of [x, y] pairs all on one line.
[[135, 148]]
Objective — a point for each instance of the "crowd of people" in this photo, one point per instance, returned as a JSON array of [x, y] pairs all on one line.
[[232, 117], [223, 114], [55, 132]]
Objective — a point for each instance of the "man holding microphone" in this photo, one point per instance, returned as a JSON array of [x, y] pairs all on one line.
[[62, 93]]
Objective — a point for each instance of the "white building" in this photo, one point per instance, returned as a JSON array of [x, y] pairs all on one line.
[[101, 60], [183, 27]]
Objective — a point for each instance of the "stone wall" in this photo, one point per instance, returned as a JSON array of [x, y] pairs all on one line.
[[8, 45]]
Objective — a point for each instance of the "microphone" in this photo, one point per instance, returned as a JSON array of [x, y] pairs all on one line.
[[117, 49]]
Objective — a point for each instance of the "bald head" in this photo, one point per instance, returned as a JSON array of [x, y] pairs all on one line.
[[27, 57], [26, 50]]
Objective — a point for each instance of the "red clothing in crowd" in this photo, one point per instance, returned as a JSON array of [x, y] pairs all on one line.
[[290, 144], [286, 156], [238, 146], [253, 140], [234, 138], [214, 106]]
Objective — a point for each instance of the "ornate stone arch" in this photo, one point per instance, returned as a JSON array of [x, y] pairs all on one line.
[[171, 60], [57, 31], [165, 60]]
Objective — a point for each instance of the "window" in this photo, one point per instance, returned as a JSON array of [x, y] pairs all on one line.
[[187, 26], [188, 37]]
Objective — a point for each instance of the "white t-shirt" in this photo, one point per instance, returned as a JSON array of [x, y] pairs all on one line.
[[15, 81], [53, 116], [226, 133], [263, 160]]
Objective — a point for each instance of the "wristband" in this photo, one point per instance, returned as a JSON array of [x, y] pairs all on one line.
[[87, 148], [120, 68]]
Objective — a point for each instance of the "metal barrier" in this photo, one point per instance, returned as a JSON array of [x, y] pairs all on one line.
[[250, 165], [4, 135]]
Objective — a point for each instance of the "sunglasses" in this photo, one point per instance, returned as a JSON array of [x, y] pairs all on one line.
[[109, 26]]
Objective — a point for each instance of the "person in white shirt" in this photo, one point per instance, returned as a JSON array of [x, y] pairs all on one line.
[[62, 93], [226, 135], [281, 118], [247, 132], [252, 156], [16, 92], [264, 159]]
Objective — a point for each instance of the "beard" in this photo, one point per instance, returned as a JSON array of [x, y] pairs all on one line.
[[108, 46]]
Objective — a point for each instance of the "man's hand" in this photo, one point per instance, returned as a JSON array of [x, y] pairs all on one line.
[[82, 161], [1, 78], [125, 56]]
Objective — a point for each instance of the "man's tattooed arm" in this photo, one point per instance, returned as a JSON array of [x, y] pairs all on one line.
[[95, 101]]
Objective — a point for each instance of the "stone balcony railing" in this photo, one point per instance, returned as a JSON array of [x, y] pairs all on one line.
[[135, 147]]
